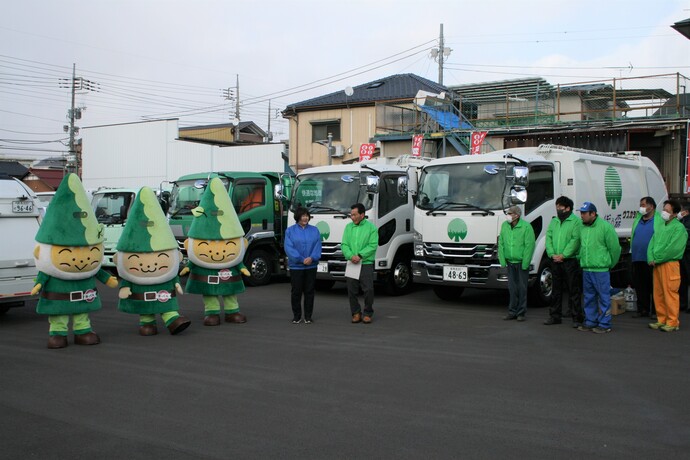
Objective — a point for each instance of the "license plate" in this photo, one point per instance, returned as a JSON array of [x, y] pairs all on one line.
[[322, 267], [454, 273], [22, 206]]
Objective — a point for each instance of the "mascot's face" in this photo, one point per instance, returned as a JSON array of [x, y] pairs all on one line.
[[76, 259], [149, 264], [216, 253]]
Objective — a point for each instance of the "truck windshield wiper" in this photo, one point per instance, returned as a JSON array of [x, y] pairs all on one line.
[[326, 208], [445, 204]]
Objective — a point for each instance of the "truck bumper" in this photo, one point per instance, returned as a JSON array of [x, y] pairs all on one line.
[[483, 277]]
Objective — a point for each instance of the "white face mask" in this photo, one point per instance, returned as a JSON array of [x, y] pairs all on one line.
[[509, 217], [643, 210], [666, 216]]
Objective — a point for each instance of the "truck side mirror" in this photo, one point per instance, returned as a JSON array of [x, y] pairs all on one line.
[[402, 186], [518, 195], [521, 175], [278, 192], [372, 184]]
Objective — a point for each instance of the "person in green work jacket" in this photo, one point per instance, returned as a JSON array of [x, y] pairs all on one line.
[[562, 246], [360, 241], [599, 253], [665, 250], [515, 250]]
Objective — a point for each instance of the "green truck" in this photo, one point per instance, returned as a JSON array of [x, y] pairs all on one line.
[[261, 200], [111, 205]]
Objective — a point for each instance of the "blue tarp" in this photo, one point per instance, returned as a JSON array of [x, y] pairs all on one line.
[[446, 119]]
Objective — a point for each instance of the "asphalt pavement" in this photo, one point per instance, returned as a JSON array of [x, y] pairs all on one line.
[[427, 379]]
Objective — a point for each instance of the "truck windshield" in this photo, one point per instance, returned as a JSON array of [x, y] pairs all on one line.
[[330, 192], [465, 185], [186, 194], [111, 207]]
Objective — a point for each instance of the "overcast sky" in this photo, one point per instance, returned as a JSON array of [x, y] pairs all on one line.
[[171, 59]]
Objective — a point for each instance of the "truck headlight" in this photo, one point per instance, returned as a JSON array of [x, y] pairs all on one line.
[[418, 244]]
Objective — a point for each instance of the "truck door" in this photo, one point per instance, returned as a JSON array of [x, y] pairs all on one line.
[[394, 215], [249, 200]]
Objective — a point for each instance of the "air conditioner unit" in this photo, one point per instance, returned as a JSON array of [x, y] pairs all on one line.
[[338, 151]]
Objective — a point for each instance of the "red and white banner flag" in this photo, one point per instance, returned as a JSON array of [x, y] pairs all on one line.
[[366, 151], [417, 145], [476, 141]]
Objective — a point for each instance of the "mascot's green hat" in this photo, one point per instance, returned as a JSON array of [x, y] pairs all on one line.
[[69, 220], [146, 229], [215, 217]]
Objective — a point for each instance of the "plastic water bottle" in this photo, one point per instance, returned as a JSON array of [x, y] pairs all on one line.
[[630, 299]]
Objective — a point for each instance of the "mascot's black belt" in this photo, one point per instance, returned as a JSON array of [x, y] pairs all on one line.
[[74, 296], [214, 279], [151, 296]]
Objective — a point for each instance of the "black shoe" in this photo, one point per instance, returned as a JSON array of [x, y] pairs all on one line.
[[551, 321], [308, 321], [296, 320], [576, 325], [509, 317], [520, 317]]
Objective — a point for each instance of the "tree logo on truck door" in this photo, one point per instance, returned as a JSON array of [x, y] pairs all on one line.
[[613, 187], [457, 229], [324, 230]]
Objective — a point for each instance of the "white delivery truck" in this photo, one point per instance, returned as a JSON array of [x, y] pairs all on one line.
[[460, 203], [111, 206], [329, 191], [19, 221]]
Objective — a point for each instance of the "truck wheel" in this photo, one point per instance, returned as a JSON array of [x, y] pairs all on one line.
[[260, 266], [542, 289], [399, 280], [324, 285], [448, 292]]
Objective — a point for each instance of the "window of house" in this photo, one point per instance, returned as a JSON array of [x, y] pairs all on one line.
[[320, 130]]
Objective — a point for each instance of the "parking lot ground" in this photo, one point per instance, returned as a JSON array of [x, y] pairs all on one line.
[[428, 379]]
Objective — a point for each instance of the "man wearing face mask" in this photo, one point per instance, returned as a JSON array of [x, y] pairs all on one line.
[[665, 250], [562, 246], [515, 250], [646, 223], [684, 218]]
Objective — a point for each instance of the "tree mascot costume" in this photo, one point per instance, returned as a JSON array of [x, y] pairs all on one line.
[[147, 261], [215, 248], [68, 255]]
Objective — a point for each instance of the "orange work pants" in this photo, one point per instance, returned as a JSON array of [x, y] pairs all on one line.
[[666, 283]]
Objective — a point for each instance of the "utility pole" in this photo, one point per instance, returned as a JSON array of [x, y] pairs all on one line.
[[269, 136], [440, 53], [72, 113], [237, 109]]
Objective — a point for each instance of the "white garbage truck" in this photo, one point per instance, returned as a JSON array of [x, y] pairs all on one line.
[[329, 191], [460, 203]]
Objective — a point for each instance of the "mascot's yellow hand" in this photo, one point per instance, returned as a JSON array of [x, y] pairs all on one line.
[[245, 272], [178, 288], [112, 282], [184, 271], [124, 292], [36, 289]]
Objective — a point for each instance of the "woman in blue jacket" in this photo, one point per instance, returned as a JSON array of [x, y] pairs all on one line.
[[303, 248]]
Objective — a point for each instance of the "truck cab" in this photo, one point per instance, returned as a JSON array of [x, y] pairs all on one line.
[[262, 214], [111, 207], [19, 222], [329, 191]]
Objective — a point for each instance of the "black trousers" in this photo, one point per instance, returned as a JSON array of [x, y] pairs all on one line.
[[644, 287], [684, 278], [567, 275], [365, 283], [303, 283]]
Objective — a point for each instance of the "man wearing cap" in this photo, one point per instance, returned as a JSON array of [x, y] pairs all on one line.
[[148, 260], [68, 255], [599, 253], [515, 249], [665, 250], [216, 247], [646, 223]]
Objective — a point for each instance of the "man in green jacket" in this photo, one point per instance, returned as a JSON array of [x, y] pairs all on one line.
[[562, 246], [515, 250], [665, 250], [360, 241], [599, 253]]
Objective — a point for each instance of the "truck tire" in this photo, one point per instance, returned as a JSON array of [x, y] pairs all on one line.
[[448, 293], [260, 266], [541, 291], [399, 279], [323, 285]]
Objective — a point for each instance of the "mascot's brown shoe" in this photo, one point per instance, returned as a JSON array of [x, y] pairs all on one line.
[[237, 318], [90, 338], [148, 329], [212, 320], [57, 341], [179, 325]]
